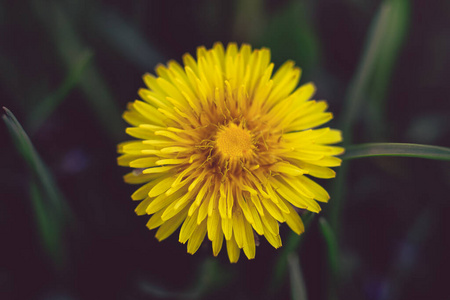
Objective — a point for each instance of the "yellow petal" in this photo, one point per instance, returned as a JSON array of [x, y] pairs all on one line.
[[249, 241], [296, 199], [273, 209], [203, 210], [293, 220], [175, 207], [136, 177], [319, 192], [197, 238], [288, 169], [161, 187], [149, 112], [217, 242], [257, 203], [270, 223], [142, 192], [257, 225], [124, 160], [238, 228], [188, 228], [243, 205], [155, 220], [227, 227], [169, 226], [327, 161], [317, 171], [140, 133], [144, 162], [331, 137], [133, 147], [223, 202], [310, 121], [213, 222], [140, 209], [233, 250], [156, 170], [162, 201], [273, 239]]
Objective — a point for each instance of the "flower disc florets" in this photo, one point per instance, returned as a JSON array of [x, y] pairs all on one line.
[[225, 149]]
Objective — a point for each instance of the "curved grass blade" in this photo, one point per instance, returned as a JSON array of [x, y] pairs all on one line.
[[44, 109], [48, 225], [51, 209], [396, 149], [394, 38], [69, 45], [381, 39], [298, 286], [125, 38], [395, 35]]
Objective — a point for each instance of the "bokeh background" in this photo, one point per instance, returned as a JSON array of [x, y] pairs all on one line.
[[67, 70]]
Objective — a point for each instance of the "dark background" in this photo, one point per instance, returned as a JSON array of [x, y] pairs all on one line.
[[394, 227]]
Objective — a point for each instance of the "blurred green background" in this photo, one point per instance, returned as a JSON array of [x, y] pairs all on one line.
[[68, 227]]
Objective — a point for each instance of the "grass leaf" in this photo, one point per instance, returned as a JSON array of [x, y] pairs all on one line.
[[209, 276], [292, 245], [394, 37], [48, 225], [45, 108], [291, 34], [366, 81], [396, 149], [123, 37], [51, 210], [332, 257], [332, 245], [69, 46], [374, 62], [298, 286]]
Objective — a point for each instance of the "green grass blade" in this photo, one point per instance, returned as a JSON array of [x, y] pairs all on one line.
[[245, 10], [292, 244], [302, 44], [298, 286], [125, 38], [69, 46], [48, 225], [332, 245], [332, 257], [210, 275], [377, 59], [46, 198], [45, 108], [394, 37], [26, 148], [396, 149], [366, 82]]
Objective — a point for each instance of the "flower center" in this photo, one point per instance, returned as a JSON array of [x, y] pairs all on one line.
[[234, 142]]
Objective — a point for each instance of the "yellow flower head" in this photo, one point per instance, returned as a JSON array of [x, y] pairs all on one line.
[[224, 149]]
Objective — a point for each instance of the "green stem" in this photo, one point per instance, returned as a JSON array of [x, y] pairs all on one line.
[[396, 149]]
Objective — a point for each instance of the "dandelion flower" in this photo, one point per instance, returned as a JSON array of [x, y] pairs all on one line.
[[225, 149]]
